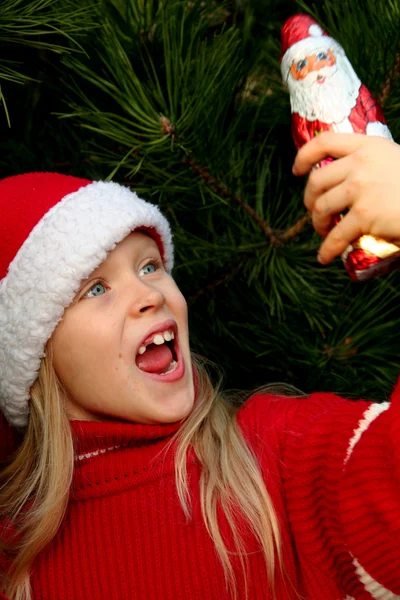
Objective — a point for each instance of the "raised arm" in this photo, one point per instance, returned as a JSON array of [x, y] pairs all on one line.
[[342, 483], [342, 458]]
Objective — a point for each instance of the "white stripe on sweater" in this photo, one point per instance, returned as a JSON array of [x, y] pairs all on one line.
[[96, 452], [376, 590], [368, 417]]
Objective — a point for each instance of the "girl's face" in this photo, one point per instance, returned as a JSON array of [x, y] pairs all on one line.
[[113, 350]]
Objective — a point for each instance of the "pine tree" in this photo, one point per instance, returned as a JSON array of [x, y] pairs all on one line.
[[183, 101]]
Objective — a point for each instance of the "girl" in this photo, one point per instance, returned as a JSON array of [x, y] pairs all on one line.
[[126, 475]]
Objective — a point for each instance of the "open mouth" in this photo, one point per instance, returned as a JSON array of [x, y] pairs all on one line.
[[159, 353]]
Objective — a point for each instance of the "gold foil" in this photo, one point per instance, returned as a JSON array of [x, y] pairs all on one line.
[[377, 246]]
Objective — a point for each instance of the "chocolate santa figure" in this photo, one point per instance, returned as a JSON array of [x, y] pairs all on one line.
[[327, 95], [325, 92]]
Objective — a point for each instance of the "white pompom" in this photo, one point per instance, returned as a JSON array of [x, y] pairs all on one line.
[[315, 30]]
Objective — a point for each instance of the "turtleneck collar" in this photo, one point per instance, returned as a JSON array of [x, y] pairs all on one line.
[[94, 436], [113, 456]]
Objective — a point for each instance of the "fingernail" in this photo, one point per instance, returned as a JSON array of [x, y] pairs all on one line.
[[320, 260], [294, 170]]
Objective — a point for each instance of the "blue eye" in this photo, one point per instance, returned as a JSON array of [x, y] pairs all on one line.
[[322, 56], [98, 289], [301, 64], [147, 269]]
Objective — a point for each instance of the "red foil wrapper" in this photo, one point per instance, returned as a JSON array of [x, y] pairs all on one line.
[[327, 95]]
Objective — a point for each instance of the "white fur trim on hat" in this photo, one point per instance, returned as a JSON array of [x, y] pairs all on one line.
[[306, 47], [70, 241]]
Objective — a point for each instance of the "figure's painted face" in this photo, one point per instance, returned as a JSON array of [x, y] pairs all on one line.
[[323, 87], [315, 62], [122, 348]]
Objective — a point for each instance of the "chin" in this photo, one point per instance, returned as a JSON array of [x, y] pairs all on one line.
[[177, 411]]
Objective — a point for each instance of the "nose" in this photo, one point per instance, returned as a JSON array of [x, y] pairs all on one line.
[[144, 297], [315, 64]]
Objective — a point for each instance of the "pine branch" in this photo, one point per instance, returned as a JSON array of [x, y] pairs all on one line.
[[225, 192], [28, 24], [390, 81], [168, 129], [295, 229], [211, 287]]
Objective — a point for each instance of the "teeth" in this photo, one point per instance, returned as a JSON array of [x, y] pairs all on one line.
[[171, 367], [166, 336], [159, 339]]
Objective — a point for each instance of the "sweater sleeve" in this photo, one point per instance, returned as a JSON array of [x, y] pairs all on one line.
[[342, 488]]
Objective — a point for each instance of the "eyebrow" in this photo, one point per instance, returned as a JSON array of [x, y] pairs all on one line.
[[148, 246]]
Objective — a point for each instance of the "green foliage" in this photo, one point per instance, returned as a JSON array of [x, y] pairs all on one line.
[[184, 102], [48, 25]]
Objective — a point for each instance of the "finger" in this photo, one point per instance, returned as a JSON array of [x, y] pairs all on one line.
[[323, 179], [345, 232], [328, 205], [324, 145]]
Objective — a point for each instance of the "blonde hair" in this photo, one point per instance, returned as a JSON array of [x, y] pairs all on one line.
[[34, 489]]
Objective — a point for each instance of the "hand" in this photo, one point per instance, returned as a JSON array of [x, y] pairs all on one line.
[[365, 179]]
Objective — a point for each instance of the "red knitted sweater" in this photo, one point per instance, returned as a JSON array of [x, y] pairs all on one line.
[[331, 467]]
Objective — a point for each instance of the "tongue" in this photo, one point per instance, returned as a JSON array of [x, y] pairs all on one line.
[[156, 359]]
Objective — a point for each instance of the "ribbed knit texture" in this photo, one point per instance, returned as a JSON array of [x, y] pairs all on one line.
[[125, 536]]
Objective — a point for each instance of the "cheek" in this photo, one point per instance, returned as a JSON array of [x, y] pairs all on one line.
[[78, 347], [180, 305], [331, 59], [62, 343], [298, 75], [322, 64]]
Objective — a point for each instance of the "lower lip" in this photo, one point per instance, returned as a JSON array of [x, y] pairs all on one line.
[[321, 81], [175, 375]]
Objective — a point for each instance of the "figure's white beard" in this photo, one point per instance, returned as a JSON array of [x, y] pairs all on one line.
[[331, 101]]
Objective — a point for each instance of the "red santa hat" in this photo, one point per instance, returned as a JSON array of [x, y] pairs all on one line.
[[55, 230], [302, 36]]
